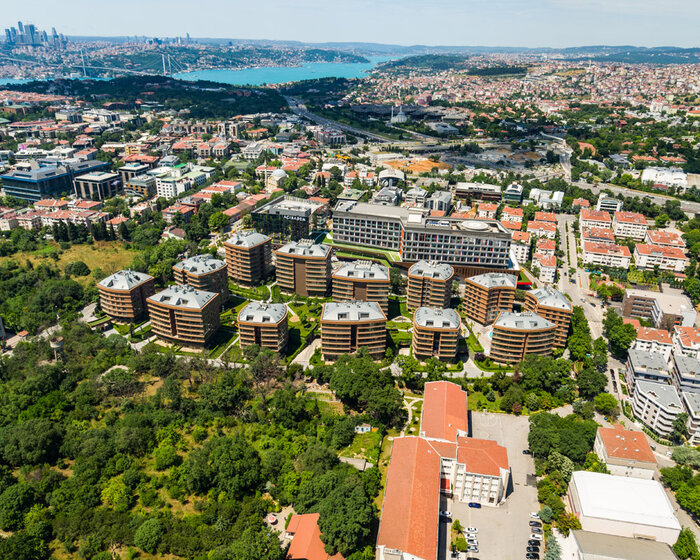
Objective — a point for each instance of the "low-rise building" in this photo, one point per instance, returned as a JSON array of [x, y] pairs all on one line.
[[183, 315], [645, 365], [656, 341], [632, 225], [598, 546], [597, 235], [248, 257], [664, 238], [348, 326], [203, 272], [625, 452], [686, 341], [362, 281], [608, 204], [547, 265], [555, 307], [429, 285], [97, 186], [685, 372], [606, 254], [304, 268], [264, 325], [664, 309], [656, 405], [435, 333], [123, 294], [520, 246], [515, 335], [487, 295], [487, 211], [305, 536], [512, 215], [647, 257], [590, 219], [542, 229]]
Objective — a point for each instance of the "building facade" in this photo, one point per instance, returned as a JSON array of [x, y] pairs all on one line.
[[248, 257], [265, 325], [362, 281], [555, 307], [348, 326], [487, 295], [123, 294], [625, 452], [429, 285], [203, 272], [304, 268], [515, 335], [435, 333], [97, 186]]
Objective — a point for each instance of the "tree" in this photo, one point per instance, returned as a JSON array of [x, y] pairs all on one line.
[[591, 382], [15, 502], [34, 441], [620, 335], [680, 428], [346, 519], [567, 522], [553, 551], [546, 514], [149, 535], [686, 546], [218, 221], [606, 404], [257, 544], [594, 464], [558, 462]]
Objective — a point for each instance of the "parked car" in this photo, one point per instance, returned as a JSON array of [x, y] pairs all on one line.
[[535, 524], [534, 515], [532, 556], [473, 542], [473, 530], [536, 537], [472, 548], [536, 530], [476, 505], [527, 452], [445, 513], [533, 542], [532, 549]]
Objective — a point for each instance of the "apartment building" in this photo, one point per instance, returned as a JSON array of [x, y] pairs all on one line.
[[487, 211], [123, 294], [429, 285], [520, 246], [362, 281], [515, 335], [597, 235], [647, 257], [590, 219], [625, 452], [630, 225], [514, 215], [248, 257], [141, 185], [435, 333], [657, 405], [265, 325], [691, 402], [664, 238], [97, 186], [304, 268], [547, 265], [555, 307], [183, 315], [542, 229], [664, 309], [656, 341], [686, 341], [545, 246], [203, 272], [487, 295], [605, 254], [685, 373], [646, 366], [348, 326]]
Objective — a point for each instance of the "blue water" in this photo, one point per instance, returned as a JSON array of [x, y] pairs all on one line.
[[282, 74], [11, 81]]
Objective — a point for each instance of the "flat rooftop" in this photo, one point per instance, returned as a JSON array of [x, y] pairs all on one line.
[[249, 238], [98, 176], [437, 318], [495, 280], [526, 321], [289, 205], [549, 297], [598, 546], [305, 248], [362, 270]]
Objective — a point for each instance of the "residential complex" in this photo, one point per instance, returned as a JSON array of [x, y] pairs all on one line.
[[429, 285], [362, 281], [686, 341], [487, 295], [555, 307], [263, 324], [657, 405], [348, 326], [203, 272], [515, 335], [656, 341], [664, 309], [248, 257], [605, 254], [183, 315], [123, 294], [304, 268], [435, 333], [630, 225], [648, 257]]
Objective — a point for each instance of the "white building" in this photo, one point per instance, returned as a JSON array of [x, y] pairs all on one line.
[[520, 246], [691, 400], [671, 176], [487, 211], [625, 452], [686, 341], [631, 225], [623, 506], [656, 341], [664, 238], [657, 405], [605, 254], [547, 265], [646, 257], [542, 229], [514, 215], [594, 219], [608, 204], [586, 545]]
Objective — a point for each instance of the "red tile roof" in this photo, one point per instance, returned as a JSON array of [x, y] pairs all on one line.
[[647, 334], [660, 250], [626, 444], [630, 218], [511, 225], [482, 456], [595, 215], [665, 238], [634, 322], [306, 543], [596, 234], [545, 217], [689, 336], [543, 226], [410, 511], [581, 202], [444, 410], [521, 236], [546, 261], [606, 249]]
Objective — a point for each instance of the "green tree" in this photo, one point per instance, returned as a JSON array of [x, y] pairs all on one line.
[[218, 221], [149, 535], [546, 514], [686, 546], [680, 428], [15, 502], [591, 382], [346, 519], [257, 544], [553, 551], [606, 404]]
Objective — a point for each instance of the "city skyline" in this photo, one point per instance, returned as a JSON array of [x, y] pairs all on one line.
[[541, 23]]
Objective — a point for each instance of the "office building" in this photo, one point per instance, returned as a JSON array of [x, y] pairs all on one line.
[[35, 184], [265, 325], [97, 186], [184, 316], [435, 333], [141, 185], [515, 335], [555, 307], [362, 281], [664, 309], [487, 295], [123, 294], [513, 193], [287, 218], [656, 405], [248, 257], [304, 268], [622, 506], [131, 170], [632, 225], [625, 452], [348, 326], [599, 546], [608, 204], [429, 285], [203, 272], [477, 191]]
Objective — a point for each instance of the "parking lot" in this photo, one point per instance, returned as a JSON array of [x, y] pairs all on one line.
[[503, 530]]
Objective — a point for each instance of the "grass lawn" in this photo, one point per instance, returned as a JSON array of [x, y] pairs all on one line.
[[477, 401], [363, 250], [224, 337], [492, 367], [364, 446], [110, 256]]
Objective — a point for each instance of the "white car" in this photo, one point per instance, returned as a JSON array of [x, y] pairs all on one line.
[[536, 536], [534, 514], [472, 542], [445, 513], [471, 530]]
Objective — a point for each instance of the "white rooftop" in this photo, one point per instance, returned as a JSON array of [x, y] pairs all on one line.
[[351, 311], [363, 270], [249, 238], [526, 321], [305, 248], [256, 312], [425, 269], [623, 498], [200, 264], [124, 280], [550, 297], [495, 280], [437, 318], [183, 296]]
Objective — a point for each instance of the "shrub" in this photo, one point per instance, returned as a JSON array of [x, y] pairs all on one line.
[[149, 534]]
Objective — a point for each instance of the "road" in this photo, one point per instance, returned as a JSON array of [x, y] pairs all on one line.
[[686, 206]]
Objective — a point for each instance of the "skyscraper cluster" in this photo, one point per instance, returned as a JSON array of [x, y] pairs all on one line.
[[29, 36]]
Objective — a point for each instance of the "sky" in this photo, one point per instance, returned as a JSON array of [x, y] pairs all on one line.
[[526, 23]]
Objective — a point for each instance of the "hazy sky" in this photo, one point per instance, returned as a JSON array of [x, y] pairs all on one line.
[[531, 23]]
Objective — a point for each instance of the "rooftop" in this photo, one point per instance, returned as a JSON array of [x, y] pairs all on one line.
[[256, 312], [670, 303], [438, 271], [183, 296], [350, 311], [289, 206], [630, 218], [595, 215], [249, 238], [306, 543], [444, 411], [549, 297], [305, 248], [526, 321], [688, 336], [692, 402], [623, 498], [620, 443], [495, 280], [437, 318], [124, 280], [664, 251], [363, 270], [482, 456], [598, 546], [647, 362], [686, 366], [98, 176], [664, 395], [648, 334], [200, 264]]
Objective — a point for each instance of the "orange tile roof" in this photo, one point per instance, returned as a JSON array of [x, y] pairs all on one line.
[[545, 217], [689, 336], [626, 444], [444, 410], [594, 215], [543, 226], [665, 238], [410, 511], [522, 236], [653, 335], [306, 543], [482, 456], [509, 224], [630, 218], [660, 250], [545, 244], [546, 261], [634, 322], [581, 202], [597, 233], [606, 249]]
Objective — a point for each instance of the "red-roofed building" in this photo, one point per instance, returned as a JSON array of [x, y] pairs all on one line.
[[487, 211], [664, 239], [686, 341], [546, 217], [512, 215], [657, 341], [630, 224], [606, 254], [598, 235], [542, 229], [444, 411], [481, 471], [634, 322], [594, 219], [50, 204], [512, 226], [547, 265], [306, 540], [546, 246], [646, 257], [520, 245], [580, 203], [625, 452]]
